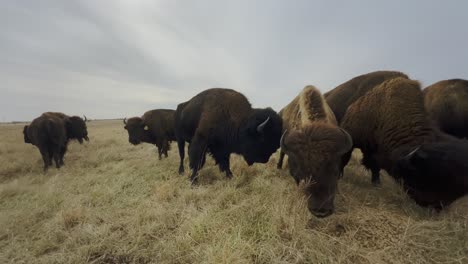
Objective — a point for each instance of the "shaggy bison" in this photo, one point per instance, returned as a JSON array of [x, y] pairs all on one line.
[[154, 127], [221, 122], [447, 105], [314, 145], [390, 126], [341, 97], [49, 135]]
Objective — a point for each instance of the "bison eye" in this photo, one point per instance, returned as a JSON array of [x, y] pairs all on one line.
[[125, 127]]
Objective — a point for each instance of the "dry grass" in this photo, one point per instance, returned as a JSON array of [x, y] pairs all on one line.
[[116, 203]]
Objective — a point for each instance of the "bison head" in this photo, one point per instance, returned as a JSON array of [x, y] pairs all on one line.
[[25, 134], [259, 136], [314, 156], [137, 130], [434, 174], [76, 128]]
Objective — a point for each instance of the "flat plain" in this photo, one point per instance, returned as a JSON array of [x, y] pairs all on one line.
[[113, 202]]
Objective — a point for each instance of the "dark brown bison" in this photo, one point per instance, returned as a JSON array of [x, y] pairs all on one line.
[[341, 97], [314, 145], [75, 126], [391, 127], [447, 105], [221, 122], [49, 135], [154, 127]]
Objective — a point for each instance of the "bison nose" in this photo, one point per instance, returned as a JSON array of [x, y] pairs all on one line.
[[321, 212], [86, 138]]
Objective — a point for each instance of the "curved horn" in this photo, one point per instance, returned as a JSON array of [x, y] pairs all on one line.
[[85, 119], [348, 144], [412, 152], [282, 145], [125, 120], [262, 125]]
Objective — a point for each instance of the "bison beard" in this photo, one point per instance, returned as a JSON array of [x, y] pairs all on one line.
[[222, 121]]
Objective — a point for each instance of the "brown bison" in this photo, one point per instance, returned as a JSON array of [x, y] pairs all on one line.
[[154, 127], [221, 122], [341, 97], [447, 105], [314, 145], [390, 126], [49, 135]]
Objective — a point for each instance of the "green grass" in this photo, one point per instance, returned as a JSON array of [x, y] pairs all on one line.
[[117, 203]]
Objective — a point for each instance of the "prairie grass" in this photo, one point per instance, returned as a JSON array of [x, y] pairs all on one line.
[[113, 202]]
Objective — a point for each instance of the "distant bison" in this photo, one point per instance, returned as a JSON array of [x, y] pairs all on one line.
[[447, 105], [154, 127], [221, 122], [75, 125], [48, 134], [341, 97], [315, 145], [390, 126]]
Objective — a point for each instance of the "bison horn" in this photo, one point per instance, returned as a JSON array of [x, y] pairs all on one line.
[[412, 152], [282, 145], [262, 125], [125, 120], [348, 144], [85, 119]]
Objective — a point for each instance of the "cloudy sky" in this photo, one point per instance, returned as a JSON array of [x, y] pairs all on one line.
[[117, 58]]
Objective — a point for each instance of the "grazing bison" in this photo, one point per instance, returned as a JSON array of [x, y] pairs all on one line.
[[390, 126], [221, 122], [155, 127], [315, 145], [447, 105], [75, 125], [341, 97], [48, 134]]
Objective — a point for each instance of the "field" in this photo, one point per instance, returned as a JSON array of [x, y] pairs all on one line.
[[117, 203]]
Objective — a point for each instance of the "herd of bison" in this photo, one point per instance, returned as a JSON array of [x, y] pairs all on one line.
[[419, 136]]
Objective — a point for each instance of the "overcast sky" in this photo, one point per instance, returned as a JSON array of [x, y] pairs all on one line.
[[110, 59]]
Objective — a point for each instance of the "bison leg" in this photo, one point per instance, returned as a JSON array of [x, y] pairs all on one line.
[[45, 157], [181, 146], [160, 151], [370, 163], [57, 154], [197, 153], [165, 147], [222, 159], [344, 161], [280, 160], [63, 150]]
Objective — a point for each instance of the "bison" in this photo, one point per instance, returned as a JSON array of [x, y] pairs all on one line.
[[314, 145], [154, 127], [49, 135], [391, 127], [447, 105], [341, 97], [222, 121]]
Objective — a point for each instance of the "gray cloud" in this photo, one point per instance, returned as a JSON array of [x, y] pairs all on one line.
[[120, 58]]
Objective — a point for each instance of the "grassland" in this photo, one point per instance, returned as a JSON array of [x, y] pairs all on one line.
[[117, 203]]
